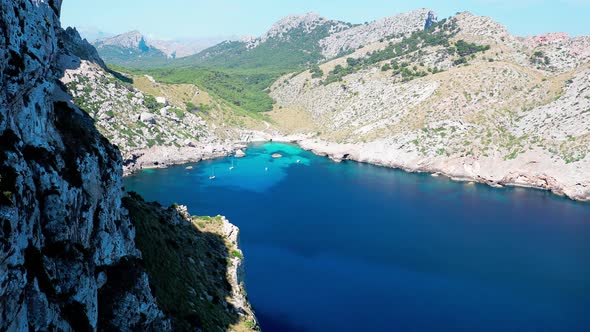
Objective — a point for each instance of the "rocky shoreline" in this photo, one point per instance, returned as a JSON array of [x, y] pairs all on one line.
[[165, 156], [532, 170]]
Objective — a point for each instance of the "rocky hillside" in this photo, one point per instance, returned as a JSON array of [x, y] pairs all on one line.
[[291, 42], [358, 36], [240, 72], [68, 254], [161, 125], [307, 39], [463, 98]]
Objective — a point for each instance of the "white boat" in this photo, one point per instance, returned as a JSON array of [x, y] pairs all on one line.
[[298, 161], [231, 168], [212, 176], [266, 169]]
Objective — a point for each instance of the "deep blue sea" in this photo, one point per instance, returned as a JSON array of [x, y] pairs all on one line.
[[355, 247]]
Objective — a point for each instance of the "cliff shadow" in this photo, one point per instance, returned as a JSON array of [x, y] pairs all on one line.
[[188, 267]]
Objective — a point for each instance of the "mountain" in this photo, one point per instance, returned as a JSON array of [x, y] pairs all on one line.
[[129, 49], [65, 241], [241, 71], [303, 40], [93, 33], [133, 49], [462, 97], [185, 47], [77, 253]]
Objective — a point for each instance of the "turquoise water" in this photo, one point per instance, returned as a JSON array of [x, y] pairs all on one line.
[[354, 247]]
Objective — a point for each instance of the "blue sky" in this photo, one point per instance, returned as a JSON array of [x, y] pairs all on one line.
[[171, 19]]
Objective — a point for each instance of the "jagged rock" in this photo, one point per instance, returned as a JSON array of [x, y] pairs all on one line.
[[430, 20], [166, 233], [147, 118], [161, 100], [191, 143], [240, 154], [80, 47], [363, 35]]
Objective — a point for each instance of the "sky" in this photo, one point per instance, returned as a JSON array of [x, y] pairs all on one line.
[[182, 19]]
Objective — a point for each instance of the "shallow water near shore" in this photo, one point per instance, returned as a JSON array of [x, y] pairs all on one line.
[[356, 247]]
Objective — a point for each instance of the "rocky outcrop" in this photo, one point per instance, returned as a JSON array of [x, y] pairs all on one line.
[[198, 264], [362, 35], [240, 154], [68, 260], [307, 22], [71, 41], [430, 19]]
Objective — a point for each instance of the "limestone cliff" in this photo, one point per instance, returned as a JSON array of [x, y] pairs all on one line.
[[68, 258], [66, 243]]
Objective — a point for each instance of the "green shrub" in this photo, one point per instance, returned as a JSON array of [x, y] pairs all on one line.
[[237, 254], [190, 106], [316, 72]]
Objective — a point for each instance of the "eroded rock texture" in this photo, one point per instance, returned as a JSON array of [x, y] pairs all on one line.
[[67, 252]]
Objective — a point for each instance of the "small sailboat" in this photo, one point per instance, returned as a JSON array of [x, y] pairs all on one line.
[[231, 168], [212, 176], [298, 161], [266, 169]]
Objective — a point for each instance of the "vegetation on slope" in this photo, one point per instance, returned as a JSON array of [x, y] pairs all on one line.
[[241, 75], [143, 57], [438, 34], [298, 49], [187, 264], [241, 88]]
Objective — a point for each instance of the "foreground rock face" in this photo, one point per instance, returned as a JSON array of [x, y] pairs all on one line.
[[68, 259]]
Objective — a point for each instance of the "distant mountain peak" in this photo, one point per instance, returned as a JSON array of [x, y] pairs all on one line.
[[308, 22], [132, 39]]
